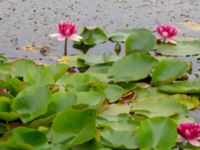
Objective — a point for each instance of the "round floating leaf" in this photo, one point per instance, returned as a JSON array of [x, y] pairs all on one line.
[[168, 70], [185, 46], [5, 104], [116, 109], [140, 40], [74, 127], [99, 72], [159, 107], [5, 69], [121, 36], [31, 103], [92, 60], [92, 36], [113, 139], [114, 130], [57, 70], [5, 109], [14, 86], [20, 67], [182, 87], [91, 98], [157, 133], [132, 68], [30, 139], [80, 82], [191, 102], [113, 92], [39, 77], [60, 101]]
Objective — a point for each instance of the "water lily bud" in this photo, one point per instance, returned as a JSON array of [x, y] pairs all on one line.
[[117, 48]]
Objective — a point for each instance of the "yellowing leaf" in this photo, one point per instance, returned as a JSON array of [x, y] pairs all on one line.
[[192, 25]]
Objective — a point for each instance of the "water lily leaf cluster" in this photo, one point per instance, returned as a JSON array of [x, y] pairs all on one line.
[[98, 102], [47, 106]]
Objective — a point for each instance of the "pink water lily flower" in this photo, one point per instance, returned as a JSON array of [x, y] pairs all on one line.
[[66, 30], [190, 132], [166, 33]]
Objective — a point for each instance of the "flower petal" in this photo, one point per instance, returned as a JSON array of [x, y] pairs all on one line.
[[54, 35], [61, 38], [194, 142], [75, 37], [171, 41]]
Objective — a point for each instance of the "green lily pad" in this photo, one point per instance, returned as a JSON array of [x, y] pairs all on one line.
[[140, 40], [158, 108], [92, 60], [113, 92], [121, 35], [74, 127], [115, 110], [30, 139], [39, 77], [93, 36], [113, 139], [168, 70], [60, 101], [31, 103], [185, 46], [5, 69], [157, 133], [182, 87], [20, 67], [132, 68], [99, 72], [80, 82], [14, 86], [191, 102], [57, 70], [112, 131], [90, 99]]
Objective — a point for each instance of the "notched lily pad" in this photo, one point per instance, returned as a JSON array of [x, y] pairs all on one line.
[[132, 68], [185, 46], [157, 133], [93, 36], [140, 40], [182, 87], [168, 70], [74, 127], [31, 103]]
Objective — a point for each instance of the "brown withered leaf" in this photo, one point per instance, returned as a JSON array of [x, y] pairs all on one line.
[[192, 25], [127, 97], [104, 105], [32, 47]]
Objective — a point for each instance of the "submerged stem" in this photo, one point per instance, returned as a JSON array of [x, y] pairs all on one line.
[[65, 48]]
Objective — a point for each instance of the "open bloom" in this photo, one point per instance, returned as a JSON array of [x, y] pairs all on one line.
[[190, 132], [66, 30], [167, 32]]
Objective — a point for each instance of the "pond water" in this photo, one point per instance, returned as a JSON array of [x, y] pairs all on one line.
[[29, 22]]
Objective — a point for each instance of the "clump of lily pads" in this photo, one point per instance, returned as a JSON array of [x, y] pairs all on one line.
[[135, 100]]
